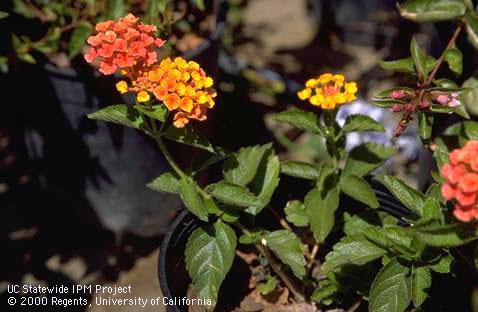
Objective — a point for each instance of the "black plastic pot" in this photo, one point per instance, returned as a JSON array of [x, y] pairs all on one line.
[[174, 279]]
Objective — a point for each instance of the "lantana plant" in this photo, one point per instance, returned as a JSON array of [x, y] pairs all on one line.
[[322, 248]]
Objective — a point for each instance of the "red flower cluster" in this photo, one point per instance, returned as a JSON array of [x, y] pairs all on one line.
[[122, 44], [461, 176]]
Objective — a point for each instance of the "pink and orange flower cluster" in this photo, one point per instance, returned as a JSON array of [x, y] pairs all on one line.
[[123, 44], [130, 46], [461, 181]]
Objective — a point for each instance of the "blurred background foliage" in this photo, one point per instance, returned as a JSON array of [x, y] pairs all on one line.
[[59, 29]]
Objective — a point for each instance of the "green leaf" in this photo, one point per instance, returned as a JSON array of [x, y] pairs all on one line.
[[157, 112], [192, 200], [432, 209], [162, 5], [321, 210], [327, 173], [78, 38], [167, 182], [233, 194], [469, 4], [392, 238], [355, 249], [443, 265], [365, 158], [383, 103], [358, 189], [205, 160], [265, 182], [460, 91], [199, 4], [115, 9], [410, 197], [472, 28], [4, 64], [432, 10], [153, 10], [419, 59], [27, 57], [288, 248], [435, 193], [252, 237], [421, 282], [430, 63], [3, 15], [189, 136], [361, 123], [242, 167], [120, 114], [303, 120], [226, 213], [461, 111], [358, 222], [451, 235], [471, 129], [390, 291], [296, 213], [403, 65], [325, 292], [470, 99], [209, 256], [300, 169], [441, 157], [441, 109], [425, 122], [445, 83], [268, 286], [454, 58]]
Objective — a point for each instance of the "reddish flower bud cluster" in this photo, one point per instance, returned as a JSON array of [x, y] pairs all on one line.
[[401, 95], [461, 181], [123, 44]]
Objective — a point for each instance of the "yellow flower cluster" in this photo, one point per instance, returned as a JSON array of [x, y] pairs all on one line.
[[328, 91], [182, 86]]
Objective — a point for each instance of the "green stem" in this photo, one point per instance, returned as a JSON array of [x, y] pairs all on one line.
[[157, 137], [329, 124], [169, 157], [440, 60]]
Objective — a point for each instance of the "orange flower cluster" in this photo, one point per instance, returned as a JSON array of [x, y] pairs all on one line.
[[183, 87], [123, 44], [328, 91], [461, 181]]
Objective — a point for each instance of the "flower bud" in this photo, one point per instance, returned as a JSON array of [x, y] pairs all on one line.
[[397, 108], [398, 130], [424, 104], [398, 94], [442, 99]]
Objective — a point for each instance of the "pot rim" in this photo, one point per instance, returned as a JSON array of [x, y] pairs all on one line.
[[163, 252]]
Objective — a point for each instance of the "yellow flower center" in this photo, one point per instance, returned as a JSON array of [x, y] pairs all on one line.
[[328, 90]]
